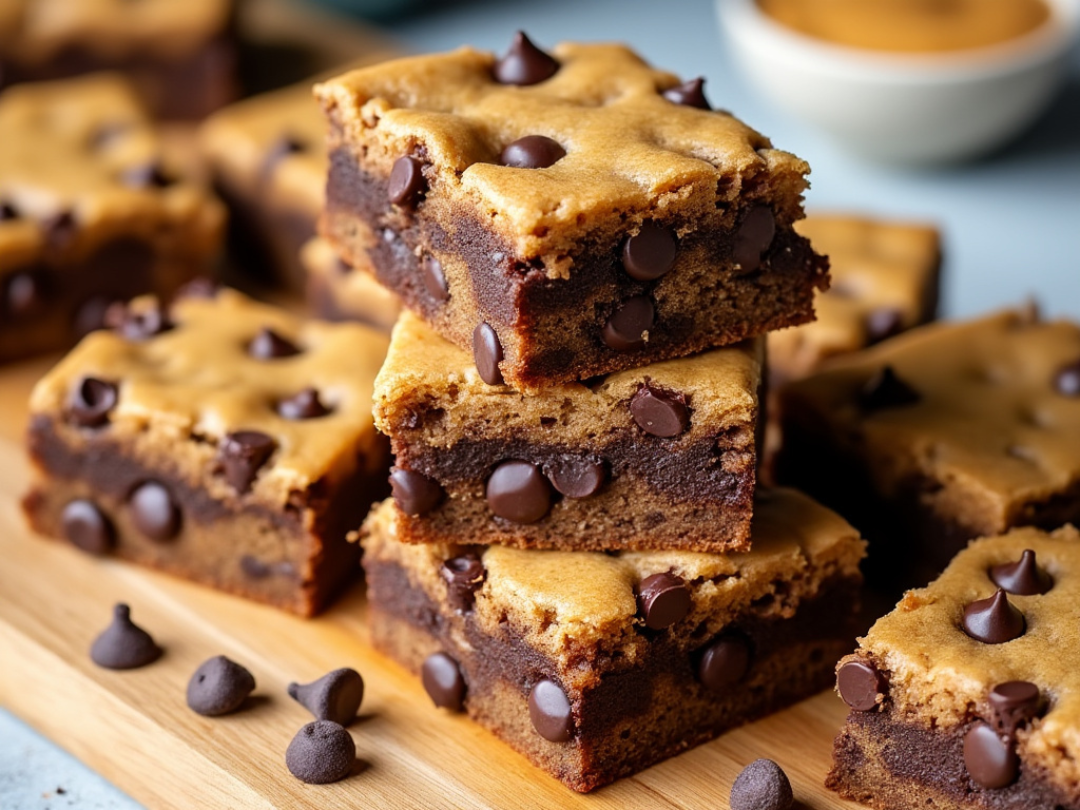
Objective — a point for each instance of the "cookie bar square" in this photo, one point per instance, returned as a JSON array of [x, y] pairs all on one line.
[[590, 217], [661, 457], [337, 292], [224, 441], [885, 277], [595, 666], [967, 695], [94, 208], [948, 432], [179, 55]]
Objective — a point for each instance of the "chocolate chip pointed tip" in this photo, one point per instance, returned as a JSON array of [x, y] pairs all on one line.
[[242, 454], [123, 644], [886, 389], [994, 620], [1025, 577], [336, 696], [321, 752], [690, 93], [305, 404], [524, 63], [219, 686], [270, 345], [762, 785]]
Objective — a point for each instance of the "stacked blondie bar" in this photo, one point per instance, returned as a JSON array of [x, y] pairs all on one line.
[[576, 552]]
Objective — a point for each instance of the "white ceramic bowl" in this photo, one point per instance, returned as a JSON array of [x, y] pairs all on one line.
[[905, 108]]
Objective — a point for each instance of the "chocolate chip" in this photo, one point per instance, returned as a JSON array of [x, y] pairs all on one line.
[[762, 785], [1014, 703], [407, 181], [86, 527], [153, 511], [414, 493], [487, 354], [146, 175], [269, 345], [1067, 380], [1024, 577], [59, 229], [627, 328], [689, 94], [123, 644], [884, 322], [8, 211], [660, 413], [991, 761], [650, 253], [755, 234], [304, 404], [137, 325], [241, 454], [993, 620], [524, 63], [724, 662], [280, 149], [25, 294], [550, 711], [443, 681], [336, 696], [463, 576], [575, 476], [532, 152], [886, 390], [860, 685], [431, 273], [91, 402], [518, 491], [663, 599], [321, 752], [219, 686]]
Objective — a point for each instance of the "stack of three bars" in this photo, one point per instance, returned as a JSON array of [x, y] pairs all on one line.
[[567, 553]]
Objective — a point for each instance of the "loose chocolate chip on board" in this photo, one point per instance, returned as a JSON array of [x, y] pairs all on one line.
[[1013, 704], [524, 63], [431, 273], [154, 512], [304, 404], [650, 253], [321, 752], [886, 390], [1067, 380], [762, 785], [242, 454], [627, 328], [86, 527], [146, 175], [269, 345], [550, 711], [463, 576], [219, 686], [753, 238], [990, 760], [91, 402], [443, 681], [660, 413], [663, 599], [884, 322], [689, 94], [137, 325], [1025, 577], [993, 620], [575, 476], [532, 152], [518, 491], [487, 354], [414, 493], [724, 662], [336, 696], [860, 685], [123, 644], [407, 181]]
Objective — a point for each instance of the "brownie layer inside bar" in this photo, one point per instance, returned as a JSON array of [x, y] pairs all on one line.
[[791, 658], [892, 765]]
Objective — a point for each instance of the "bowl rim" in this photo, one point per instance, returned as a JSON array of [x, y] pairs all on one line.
[[1045, 43]]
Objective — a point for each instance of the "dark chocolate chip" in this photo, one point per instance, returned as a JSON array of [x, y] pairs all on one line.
[[463, 576], [304, 404], [1014, 703], [86, 527], [434, 279], [724, 662], [336, 696], [886, 390], [575, 476], [762, 785], [219, 686], [884, 322], [532, 152], [524, 63], [8, 211], [663, 599], [269, 345], [487, 354], [860, 685], [689, 94], [660, 413], [123, 644], [518, 491], [280, 149], [91, 402], [407, 181], [153, 511], [414, 493], [321, 752], [25, 294], [91, 315], [993, 620], [137, 325], [650, 253], [550, 711], [59, 229], [626, 328], [146, 175], [1024, 577], [990, 760], [1067, 379], [241, 454], [753, 238], [443, 681]]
